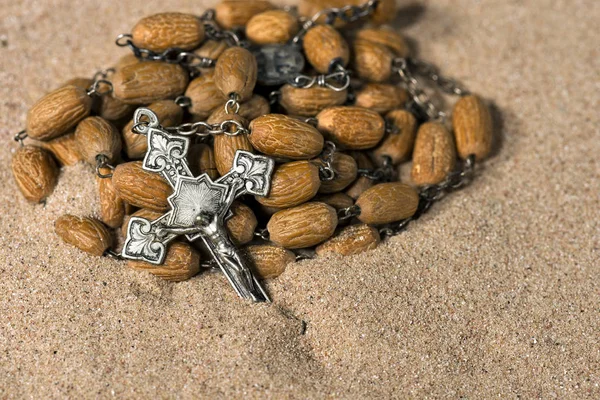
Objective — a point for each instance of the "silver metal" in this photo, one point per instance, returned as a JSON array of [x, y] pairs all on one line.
[[338, 79], [348, 212], [101, 163], [278, 63], [199, 206], [20, 137], [232, 102], [97, 90], [384, 173], [326, 171]]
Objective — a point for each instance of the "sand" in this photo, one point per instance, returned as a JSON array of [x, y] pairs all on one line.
[[494, 293]]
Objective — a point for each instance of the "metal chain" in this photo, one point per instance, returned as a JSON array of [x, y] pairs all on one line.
[[447, 85], [232, 102], [337, 79], [214, 32], [262, 233], [101, 163], [385, 173], [201, 128], [20, 137], [326, 171], [349, 13], [344, 214]]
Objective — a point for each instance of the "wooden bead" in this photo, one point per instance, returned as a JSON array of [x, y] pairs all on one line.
[[272, 27], [381, 97], [225, 146], [278, 135], [354, 128], [302, 226], [163, 31], [242, 224], [345, 173], [255, 107], [352, 239], [202, 161], [398, 144], [386, 36], [434, 155], [387, 202], [96, 136], [336, 200], [141, 188], [35, 172], [372, 61], [235, 73], [322, 45], [112, 207], [231, 14], [169, 114], [309, 102], [268, 261], [57, 112], [87, 234], [292, 184], [361, 183], [204, 96], [63, 148], [149, 81], [472, 125], [181, 263], [113, 109]]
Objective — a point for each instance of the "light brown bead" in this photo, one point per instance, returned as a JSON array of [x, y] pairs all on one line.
[[345, 173], [35, 172], [149, 81], [87, 234], [278, 135], [268, 261], [211, 49], [336, 200], [126, 60], [352, 239], [96, 136], [181, 263], [169, 114], [309, 102], [386, 36], [80, 82], [434, 155], [381, 97], [204, 96], [398, 144], [150, 215], [387, 202], [112, 207], [272, 27], [202, 161], [235, 73], [302, 226], [242, 224], [354, 128], [226, 146], [385, 11], [141, 188], [57, 112], [113, 109], [249, 110], [361, 183], [372, 61], [322, 45], [63, 148], [292, 183], [472, 125], [236, 13], [163, 31]]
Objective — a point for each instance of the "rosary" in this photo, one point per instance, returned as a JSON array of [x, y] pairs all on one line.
[[252, 136]]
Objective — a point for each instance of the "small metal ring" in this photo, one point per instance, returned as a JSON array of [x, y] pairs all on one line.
[[232, 103], [20, 137], [94, 89], [183, 101], [102, 162], [127, 36], [135, 128]]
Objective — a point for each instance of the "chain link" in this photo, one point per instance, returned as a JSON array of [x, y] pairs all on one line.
[[202, 129], [100, 87], [20, 137], [344, 214], [326, 171], [337, 79], [385, 173], [262, 233], [101, 163], [447, 85]]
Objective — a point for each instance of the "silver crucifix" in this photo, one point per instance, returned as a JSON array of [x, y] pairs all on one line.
[[199, 206]]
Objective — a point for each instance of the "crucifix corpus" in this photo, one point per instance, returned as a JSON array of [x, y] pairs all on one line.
[[199, 206]]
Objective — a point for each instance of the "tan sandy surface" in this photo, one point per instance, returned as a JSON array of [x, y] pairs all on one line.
[[494, 293]]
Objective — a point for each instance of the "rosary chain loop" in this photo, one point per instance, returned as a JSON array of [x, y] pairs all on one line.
[[97, 90], [447, 85], [232, 102], [102, 162], [326, 171], [385, 173], [20, 137], [344, 214], [262, 233], [338, 79]]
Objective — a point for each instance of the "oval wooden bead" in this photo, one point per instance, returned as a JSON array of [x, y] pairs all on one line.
[[181, 263], [202, 161], [387, 202], [225, 146], [434, 155], [87, 234], [235, 73], [57, 112], [163, 31], [336, 200], [278, 135], [242, 224], [141, 188], [308, 8], [361, 183], [381, 97], [169, 114], [35, 172], [268, 261], [372, 61], [323, 44], [354, 128], [236, 13], [385, 11], [204, 96], [112, 207], [292, 183], [386, 36], [149, 81], [80, 82], [63, 148], [249, 110], [472, 125], [309, 102], [352, 239], [113, 109], [398, 144], [211, 49], [96, 136], [302, 226], [272, 27], [126, 60], [345, 169], [150, 215]]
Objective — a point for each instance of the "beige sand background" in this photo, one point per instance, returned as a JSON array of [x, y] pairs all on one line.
[[494, 293]]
